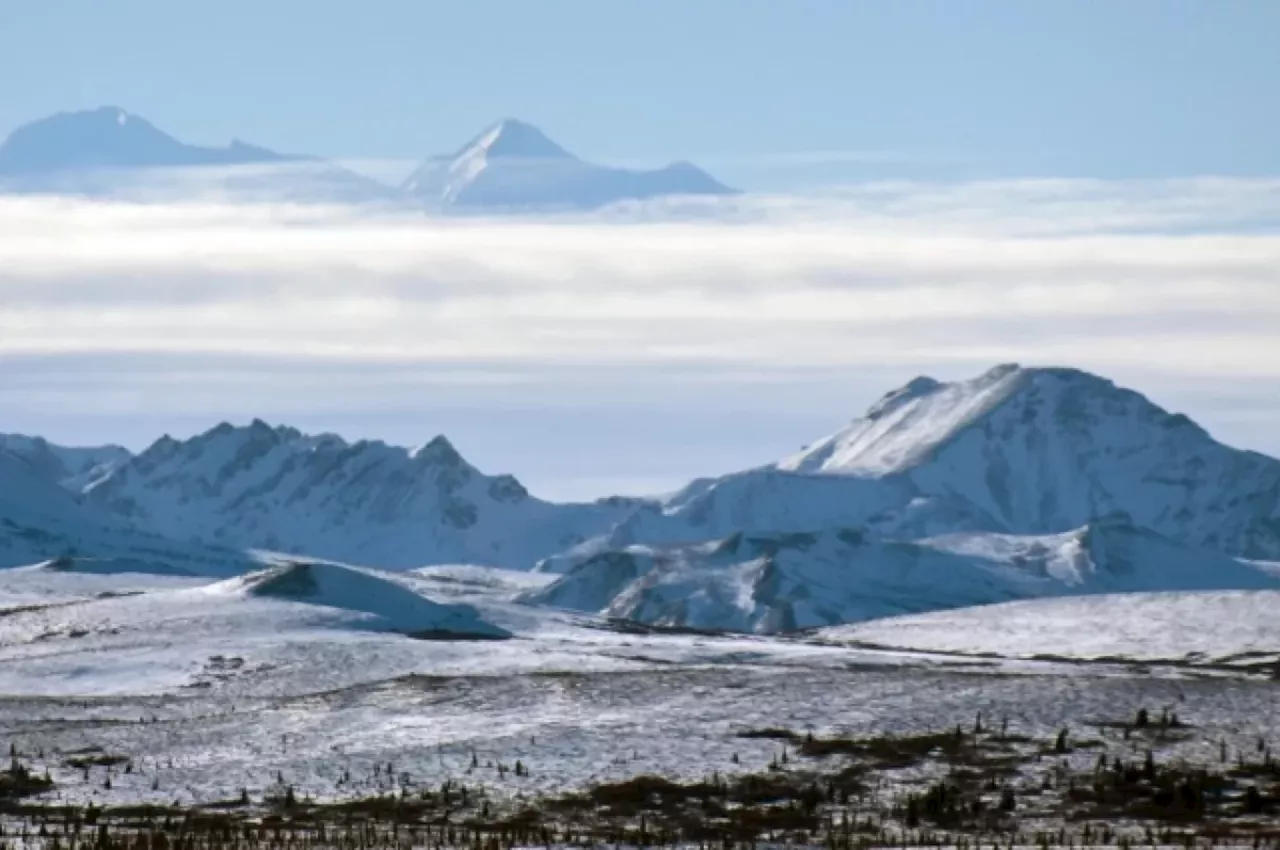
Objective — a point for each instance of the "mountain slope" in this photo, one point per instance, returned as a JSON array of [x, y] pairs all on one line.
[[784, 582], [73, 467], [513, 165], [366, 502], [43, 521]]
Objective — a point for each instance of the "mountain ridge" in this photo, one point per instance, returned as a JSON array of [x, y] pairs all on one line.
[[275, 488]]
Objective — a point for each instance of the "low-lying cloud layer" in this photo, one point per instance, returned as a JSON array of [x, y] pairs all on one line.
[[691, 309]]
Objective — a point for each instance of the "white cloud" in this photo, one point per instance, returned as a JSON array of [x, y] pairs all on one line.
[[1158, 281], [858, 287]]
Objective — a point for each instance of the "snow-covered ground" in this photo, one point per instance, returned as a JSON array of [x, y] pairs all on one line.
[[302, 628], [213, 686], [571, 729], [1208, 627], [1240, 627]]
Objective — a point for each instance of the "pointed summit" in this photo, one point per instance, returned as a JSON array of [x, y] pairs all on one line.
[[512, 138], [437, 451]]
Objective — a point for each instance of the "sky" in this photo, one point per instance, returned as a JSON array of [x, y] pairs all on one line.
[[1083, 88], [935, 188]]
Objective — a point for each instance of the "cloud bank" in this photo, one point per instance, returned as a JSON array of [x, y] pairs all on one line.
[[219, 306]]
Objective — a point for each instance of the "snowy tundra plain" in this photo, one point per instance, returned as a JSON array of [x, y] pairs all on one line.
[[309, 673]]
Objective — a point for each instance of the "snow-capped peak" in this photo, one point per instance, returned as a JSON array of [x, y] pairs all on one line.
[[439, 451], [906, 425], [511, 138], [513, 165]]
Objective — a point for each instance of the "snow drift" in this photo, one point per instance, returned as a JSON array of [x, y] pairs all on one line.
[[394, 606]]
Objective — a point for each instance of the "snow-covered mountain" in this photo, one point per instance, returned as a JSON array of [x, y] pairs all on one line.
[[108, 151], [41, 520], [514, 166], [74, 467], [1013, 451], [1041, 450], [275, 488], [1018, 483], [783, 582]]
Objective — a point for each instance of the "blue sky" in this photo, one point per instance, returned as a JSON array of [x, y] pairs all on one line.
[[1054, 87]]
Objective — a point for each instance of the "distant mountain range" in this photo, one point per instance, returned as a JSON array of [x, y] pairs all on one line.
[[510, 167], [1018, 483]]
